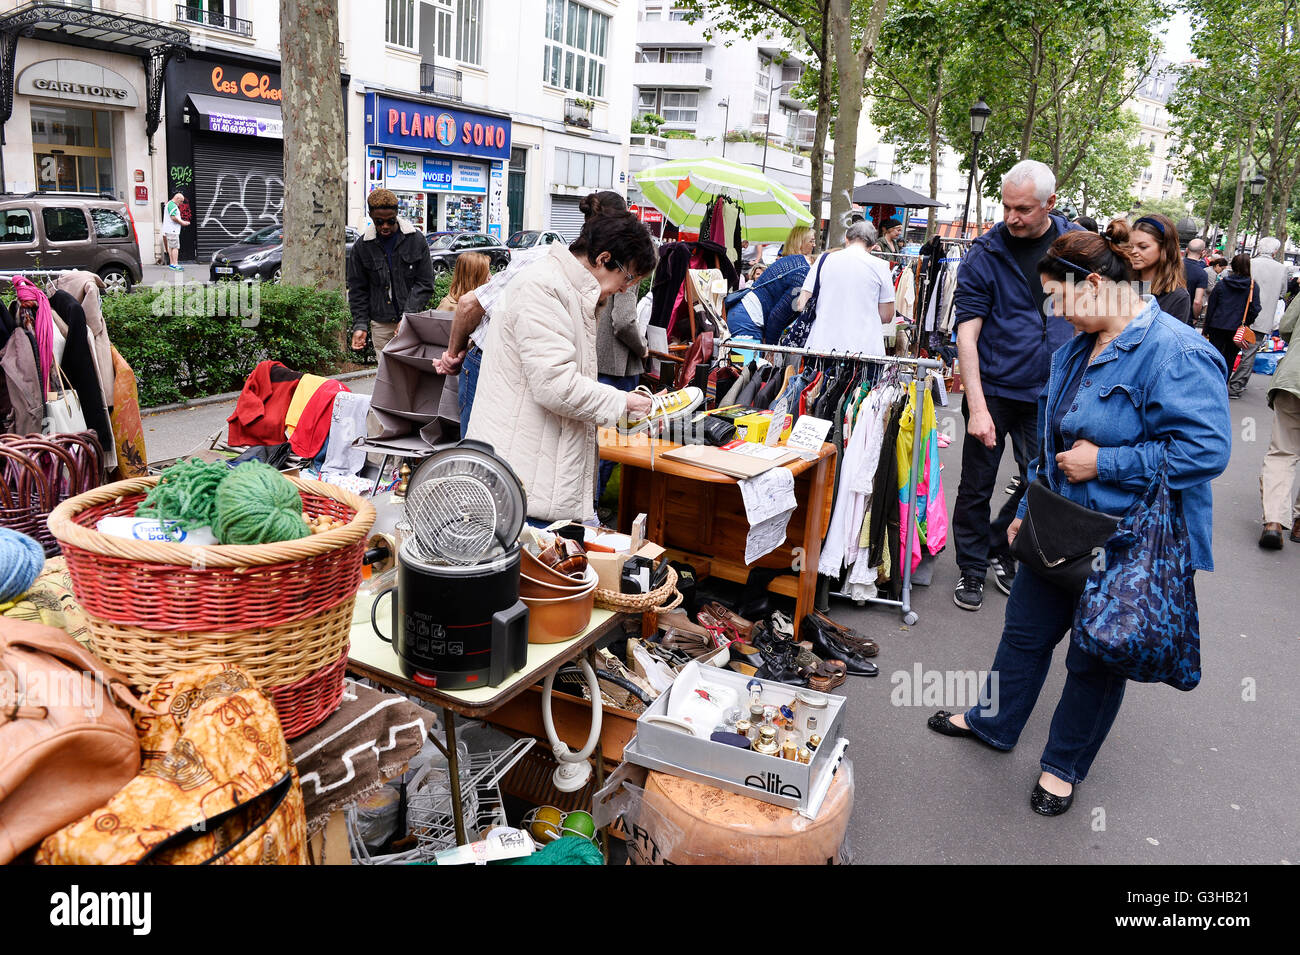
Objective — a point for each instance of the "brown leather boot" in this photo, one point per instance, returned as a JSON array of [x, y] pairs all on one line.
[[1271, 538], [1295, 532]]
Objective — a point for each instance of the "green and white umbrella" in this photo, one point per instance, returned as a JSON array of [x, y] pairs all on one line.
[[682, 188]]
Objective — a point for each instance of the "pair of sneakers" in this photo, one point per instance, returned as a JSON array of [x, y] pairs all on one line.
[[665, 408], [969, 593]]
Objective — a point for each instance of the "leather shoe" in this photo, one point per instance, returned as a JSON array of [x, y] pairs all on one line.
[[864, 646], [941, 722], [826, 645], [743, 627], [1048, 804], [1295, 532], [1271, 538]]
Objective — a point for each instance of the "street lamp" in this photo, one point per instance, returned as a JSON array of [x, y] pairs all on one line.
[[1256, 187], [726, 123], [767, 125], [979, 118]]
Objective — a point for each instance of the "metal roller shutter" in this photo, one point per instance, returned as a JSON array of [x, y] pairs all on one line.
[[566, 217], [238, 189]]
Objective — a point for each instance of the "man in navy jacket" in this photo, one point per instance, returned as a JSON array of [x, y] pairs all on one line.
[[1005, 338]]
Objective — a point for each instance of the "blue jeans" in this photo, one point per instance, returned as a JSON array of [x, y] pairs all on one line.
[[468, 382], [622, 383], [1038, 615]]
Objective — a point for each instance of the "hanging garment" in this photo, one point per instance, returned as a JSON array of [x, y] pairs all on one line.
[[308, 385], [733, 393], [128, 429], [931, 509], [86, 287], [22, 371], [861, 460], [262, 405], [78, 364], [905, 295], [42, 322], [315, 420]]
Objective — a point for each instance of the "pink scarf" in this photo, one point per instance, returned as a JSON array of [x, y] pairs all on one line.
[[29, 294]]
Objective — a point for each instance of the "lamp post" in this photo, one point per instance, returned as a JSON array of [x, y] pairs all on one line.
[[979, 117], [767, 125], [726, 123], [1256, 187]]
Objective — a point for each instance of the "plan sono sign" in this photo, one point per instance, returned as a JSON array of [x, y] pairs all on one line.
[[394, 122]]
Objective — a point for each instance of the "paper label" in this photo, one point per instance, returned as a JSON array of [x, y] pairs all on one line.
[[809, 433]]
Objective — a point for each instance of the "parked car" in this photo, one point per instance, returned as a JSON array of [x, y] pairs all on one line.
[[446, 249], [60, 231], [528, 239], [259, 255]]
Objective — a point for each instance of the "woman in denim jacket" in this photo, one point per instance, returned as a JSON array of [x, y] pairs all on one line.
[[1136, 390]]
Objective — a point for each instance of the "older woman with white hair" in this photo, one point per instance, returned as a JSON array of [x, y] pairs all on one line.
[[855, 299]]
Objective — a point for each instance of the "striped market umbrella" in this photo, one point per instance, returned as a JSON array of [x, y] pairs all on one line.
[[682, 188]]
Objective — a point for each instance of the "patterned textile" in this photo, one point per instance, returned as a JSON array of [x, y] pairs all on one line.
[[217, 784], [50, 601], [128, 431], [367, 741], [1138, 612]]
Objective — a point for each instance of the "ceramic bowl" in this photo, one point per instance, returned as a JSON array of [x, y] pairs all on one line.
[[530, 586], [554, 620]]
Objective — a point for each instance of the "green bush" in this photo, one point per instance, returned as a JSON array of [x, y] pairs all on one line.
[[187, 341]]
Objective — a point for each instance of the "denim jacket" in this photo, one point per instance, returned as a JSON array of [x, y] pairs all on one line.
[[1153, 397]]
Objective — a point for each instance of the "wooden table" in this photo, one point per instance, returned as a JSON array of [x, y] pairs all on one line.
[[376, 660], [698, 515]]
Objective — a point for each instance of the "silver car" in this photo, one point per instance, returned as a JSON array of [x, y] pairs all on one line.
[[60, 231]]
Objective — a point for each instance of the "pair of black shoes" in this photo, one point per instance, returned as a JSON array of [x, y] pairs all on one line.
[[778, 656], [1040, 800], [826, 643]]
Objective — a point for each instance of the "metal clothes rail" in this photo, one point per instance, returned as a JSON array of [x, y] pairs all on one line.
[[929, 365]]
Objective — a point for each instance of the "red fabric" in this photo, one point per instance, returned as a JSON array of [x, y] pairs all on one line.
[[261, 409], [317, 416]]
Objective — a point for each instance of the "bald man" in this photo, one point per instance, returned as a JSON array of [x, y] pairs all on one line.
[[1197, 281]]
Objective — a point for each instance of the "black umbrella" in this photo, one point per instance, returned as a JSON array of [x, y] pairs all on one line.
[[882, 192]]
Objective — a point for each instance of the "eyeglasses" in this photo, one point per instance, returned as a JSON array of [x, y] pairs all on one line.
[[629, 278]]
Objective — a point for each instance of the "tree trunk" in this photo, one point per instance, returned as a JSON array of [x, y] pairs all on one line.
[[852, 64], [932, 120], [315, 145], [1230, 240], [1214, 200], [1031, 106], [817, 187]]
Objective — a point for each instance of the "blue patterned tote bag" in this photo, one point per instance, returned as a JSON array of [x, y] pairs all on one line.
[[796, 333], [1138, 610]]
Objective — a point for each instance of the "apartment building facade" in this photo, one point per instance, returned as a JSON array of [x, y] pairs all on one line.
[[1150, 104]]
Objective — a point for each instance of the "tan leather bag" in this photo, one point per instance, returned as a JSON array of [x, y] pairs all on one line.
[[66, 745]]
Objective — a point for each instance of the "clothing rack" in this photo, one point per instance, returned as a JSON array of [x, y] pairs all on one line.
[[930, 365]]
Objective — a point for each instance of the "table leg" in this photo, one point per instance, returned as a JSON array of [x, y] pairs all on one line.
[[453, 768], [383, 466], [812, 543]]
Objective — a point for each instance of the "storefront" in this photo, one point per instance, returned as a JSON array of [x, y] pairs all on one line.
[[225, 148], [446, 166]]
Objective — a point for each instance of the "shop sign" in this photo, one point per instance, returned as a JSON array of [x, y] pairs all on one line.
[[245, 125], [141, 195], [402, 171], [77, 80], [250, 84], [396, 122], [452, 175]]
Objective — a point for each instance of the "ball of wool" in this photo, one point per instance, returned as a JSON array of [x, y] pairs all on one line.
[[256, 504], [21, 562], [186, 492]]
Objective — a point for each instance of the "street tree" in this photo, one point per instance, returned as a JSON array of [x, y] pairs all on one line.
[[315, 150]]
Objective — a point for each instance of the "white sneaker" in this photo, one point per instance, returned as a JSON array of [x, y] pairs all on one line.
[[664, 408]]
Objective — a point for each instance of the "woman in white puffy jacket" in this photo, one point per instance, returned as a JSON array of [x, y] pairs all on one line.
[[538, 402]]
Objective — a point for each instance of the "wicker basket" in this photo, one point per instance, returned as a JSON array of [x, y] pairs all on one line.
[[282, 611], [661, 600]]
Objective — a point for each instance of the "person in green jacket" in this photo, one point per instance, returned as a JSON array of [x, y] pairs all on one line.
[[1277, 476]]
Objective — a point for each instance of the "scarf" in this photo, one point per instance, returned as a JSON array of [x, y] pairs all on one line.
[[29, 294]]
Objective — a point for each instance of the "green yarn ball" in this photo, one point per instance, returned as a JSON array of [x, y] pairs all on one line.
[[186, 493], [256, 504]]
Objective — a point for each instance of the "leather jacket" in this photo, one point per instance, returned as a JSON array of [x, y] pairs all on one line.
[[371, 284]]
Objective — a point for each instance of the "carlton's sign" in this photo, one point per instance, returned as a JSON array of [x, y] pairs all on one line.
[[77, 80]]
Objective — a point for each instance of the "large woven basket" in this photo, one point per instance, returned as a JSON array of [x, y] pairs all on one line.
[[282, 611]]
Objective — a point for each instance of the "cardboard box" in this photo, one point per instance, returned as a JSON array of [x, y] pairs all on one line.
[[609, 567], [753, 427], [771, 779]]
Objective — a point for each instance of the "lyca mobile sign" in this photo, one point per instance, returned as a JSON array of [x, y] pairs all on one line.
[[397, 122]]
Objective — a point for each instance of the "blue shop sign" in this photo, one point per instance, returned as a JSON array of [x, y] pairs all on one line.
[[396, 122]]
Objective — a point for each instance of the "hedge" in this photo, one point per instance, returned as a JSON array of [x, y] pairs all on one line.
[[187, 341]]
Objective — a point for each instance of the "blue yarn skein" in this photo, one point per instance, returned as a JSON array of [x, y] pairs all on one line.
[[21, 561]]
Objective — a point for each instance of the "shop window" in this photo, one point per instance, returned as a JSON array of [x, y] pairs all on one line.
[[64, 224], [17, 226], [109, 225], [400, 27], [582, 35], [72, 149]]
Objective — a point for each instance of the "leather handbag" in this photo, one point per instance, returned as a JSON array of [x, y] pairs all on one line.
[[63, 414], [218, 785], [1245, 336], [66, 745], [701, 353], [1060, 540]]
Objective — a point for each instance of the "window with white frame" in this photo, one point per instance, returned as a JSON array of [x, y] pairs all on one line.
[[681, 107], [578, 41], [647, 102], [683, 56], [918, 180], [400, 26], [469, 32], [649, 54], [763, 79], [443, 28], [585, 170]]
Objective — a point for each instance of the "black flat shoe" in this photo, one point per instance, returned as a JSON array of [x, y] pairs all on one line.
[[941, 722], [1048, 804]]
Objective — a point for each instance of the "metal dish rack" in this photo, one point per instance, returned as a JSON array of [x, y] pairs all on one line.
[[429, 809]]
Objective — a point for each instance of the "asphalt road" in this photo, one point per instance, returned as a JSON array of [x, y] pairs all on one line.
[[1209, 776]]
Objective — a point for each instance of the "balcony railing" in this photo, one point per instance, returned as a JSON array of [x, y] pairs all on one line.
[[440, 81], [209, 18], [577, 112]]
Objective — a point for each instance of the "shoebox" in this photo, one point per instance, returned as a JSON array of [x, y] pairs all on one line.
[[753, 427], [663, 743], [609, 567]]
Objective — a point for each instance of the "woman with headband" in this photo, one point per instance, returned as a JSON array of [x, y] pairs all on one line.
[[1136, 390], [1151, 245]]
